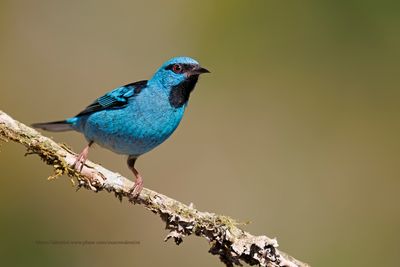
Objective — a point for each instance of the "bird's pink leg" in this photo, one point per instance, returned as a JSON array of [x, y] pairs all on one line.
[[82, 157], [138, 186]]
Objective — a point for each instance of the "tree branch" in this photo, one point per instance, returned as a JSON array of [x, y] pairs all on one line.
[[227, 240]]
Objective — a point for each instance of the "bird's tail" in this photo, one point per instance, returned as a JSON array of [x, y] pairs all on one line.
[[54, 126]]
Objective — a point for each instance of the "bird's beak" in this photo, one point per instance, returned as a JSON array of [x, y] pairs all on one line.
[[198, 70]]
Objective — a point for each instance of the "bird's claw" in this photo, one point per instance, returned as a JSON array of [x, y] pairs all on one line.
[[81, 158], [79, 163], [134, 192]]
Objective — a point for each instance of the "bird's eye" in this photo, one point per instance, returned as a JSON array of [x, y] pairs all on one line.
[[177, 68]]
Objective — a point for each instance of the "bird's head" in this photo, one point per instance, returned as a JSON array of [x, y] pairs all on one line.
[[179, 76]]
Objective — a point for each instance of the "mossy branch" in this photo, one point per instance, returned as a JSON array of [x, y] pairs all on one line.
[[227, 240]]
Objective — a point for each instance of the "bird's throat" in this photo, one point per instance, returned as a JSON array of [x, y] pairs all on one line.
[[179, 94]]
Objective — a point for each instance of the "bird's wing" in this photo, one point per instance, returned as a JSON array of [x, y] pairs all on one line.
[[117, 98]]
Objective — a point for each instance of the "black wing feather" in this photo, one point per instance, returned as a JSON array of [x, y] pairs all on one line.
[[117, 98]]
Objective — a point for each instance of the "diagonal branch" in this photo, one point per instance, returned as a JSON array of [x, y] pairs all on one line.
[[227, 240]]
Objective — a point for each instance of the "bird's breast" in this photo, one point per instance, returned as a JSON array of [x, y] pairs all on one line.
[[158, 121]]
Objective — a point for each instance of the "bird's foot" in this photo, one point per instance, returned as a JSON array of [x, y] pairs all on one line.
[[81, 159], [134, 192]]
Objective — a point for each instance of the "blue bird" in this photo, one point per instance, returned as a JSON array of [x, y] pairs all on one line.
[[135, 118]]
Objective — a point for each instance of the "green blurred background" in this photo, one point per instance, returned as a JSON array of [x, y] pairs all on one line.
[[296, 129]]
